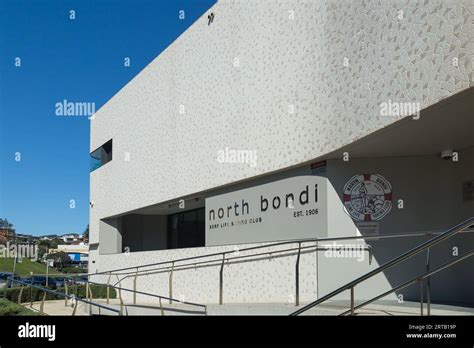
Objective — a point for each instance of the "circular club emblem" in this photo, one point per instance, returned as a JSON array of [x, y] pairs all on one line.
[[367, 197]]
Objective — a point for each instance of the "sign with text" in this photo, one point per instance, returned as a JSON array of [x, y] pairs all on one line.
[[293, 208]]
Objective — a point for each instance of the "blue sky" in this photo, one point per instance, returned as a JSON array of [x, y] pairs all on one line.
[[78, 60]]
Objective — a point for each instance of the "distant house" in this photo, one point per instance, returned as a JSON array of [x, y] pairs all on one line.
[[26, 239], [72, 237], [78, 252]]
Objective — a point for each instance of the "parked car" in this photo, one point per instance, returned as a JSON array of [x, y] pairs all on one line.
[[37, 280], [58, 282], [82, 280]]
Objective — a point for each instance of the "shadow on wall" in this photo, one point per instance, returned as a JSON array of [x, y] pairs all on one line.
[[430, 203], [452, 286]]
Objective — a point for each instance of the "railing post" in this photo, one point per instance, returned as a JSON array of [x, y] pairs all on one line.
[[421, 296], [121, 305], [297, 274], [352, 301], [88, 297], [42, 303], [75, 307], [75, 285], [428, 283], [31, 291], [161, 308], [120, 294], [221, 280], [170, 285], [108, 288], [66, 292], [21, 293], [135, 288]]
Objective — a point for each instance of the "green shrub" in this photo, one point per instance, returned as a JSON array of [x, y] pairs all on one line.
[[9, 308], [72, 270], [35, 294], [27, 294], [98, 291]]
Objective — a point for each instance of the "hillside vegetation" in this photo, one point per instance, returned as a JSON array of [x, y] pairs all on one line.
[[25, 267]]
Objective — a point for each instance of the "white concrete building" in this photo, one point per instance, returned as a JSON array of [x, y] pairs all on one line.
[[286, 120], [73, 237]]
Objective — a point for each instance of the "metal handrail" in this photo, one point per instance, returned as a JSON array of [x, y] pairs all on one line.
[[172, 266], [57, 293], [154, 295], [135, 270], [230, 260], [296, 241], [306, 240], [237, 259], [414, 280], [418, 249], [221, 254]]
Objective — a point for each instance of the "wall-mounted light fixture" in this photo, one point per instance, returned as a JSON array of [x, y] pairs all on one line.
[[210, 18]]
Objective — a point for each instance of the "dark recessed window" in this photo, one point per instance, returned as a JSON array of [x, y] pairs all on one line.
[[186, 229], [101, 156]]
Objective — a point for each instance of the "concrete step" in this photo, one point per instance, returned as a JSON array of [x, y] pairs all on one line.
[[57, 307], [329, 308]]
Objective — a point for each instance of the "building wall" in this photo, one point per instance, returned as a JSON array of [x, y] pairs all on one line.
[[431, 190], [270, 76], [110, 238], [290, 80], [73, 248], [430, 187]]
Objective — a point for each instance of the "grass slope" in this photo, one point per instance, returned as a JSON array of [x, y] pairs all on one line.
[[25, 267]]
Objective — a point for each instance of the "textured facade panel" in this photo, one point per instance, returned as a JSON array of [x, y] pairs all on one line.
[[291, 80], [249, 281]]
